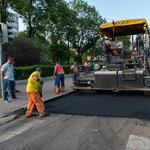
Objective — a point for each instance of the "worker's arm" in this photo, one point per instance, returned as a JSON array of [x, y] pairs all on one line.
[[3, 73], [37, 79], [55, 70]]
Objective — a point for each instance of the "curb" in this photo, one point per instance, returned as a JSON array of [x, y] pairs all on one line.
[[43, 78], [7, 117]]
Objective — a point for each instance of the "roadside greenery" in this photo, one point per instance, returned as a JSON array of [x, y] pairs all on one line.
[[53, 29], [56, 26], [47, 70]]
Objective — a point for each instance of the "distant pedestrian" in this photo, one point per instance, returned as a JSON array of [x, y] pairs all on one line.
[[58, 69], [33, 91], [8, 75]]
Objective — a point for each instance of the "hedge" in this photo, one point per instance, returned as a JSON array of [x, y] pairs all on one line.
[[47, 70]]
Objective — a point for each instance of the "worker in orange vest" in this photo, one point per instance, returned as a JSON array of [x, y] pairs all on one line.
[[134, 46], [76, 70], [103, 68], [108, 46], [60, 77], [96, 67], [86, 66]]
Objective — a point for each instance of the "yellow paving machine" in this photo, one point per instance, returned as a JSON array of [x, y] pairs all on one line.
[[129, 70]]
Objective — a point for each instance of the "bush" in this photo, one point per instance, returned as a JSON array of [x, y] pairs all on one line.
[[24, 50], [47, 70], [25, 72]]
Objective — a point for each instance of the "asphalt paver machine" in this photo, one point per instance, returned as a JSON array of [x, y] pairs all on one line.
[[130, 69]]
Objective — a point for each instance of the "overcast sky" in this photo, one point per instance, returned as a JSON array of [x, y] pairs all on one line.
[[117, 10]]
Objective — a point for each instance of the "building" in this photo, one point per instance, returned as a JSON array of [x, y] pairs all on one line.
[[14, 24]]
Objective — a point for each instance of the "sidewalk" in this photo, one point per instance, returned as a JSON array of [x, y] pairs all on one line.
[[22, 99]]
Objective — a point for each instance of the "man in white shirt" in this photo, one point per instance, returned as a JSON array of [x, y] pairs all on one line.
[[8, 75]]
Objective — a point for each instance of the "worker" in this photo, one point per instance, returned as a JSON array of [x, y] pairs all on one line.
[[86, 66], [76, 70], [72, 66], [108, 46], [60, 77], [33, 87], [134, 46], [89, 65], [96, 67], [103, 68]]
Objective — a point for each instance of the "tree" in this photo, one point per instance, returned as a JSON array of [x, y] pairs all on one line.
[[88, 21], [96, 50], [24, 50], [126, 40], [58, 49], [60, 23], [31, 11]]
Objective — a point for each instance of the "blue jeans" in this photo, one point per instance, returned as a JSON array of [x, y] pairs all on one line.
[[76, 74], [60, 77], [7, 84]]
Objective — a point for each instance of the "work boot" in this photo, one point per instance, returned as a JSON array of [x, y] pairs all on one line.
[[30, 115], [46, 114], [16, 90], [57, 92]]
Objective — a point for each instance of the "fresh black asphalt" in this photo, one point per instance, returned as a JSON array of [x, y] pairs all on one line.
[[104, 103]]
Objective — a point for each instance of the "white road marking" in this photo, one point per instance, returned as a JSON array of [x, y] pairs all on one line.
[[19, 130], [138, 143], [94, 130]]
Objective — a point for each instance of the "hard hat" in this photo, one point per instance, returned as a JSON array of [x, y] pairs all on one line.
[[103, 66]]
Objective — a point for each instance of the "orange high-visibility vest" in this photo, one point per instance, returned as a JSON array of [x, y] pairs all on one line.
[[134, 45], [96, 67]]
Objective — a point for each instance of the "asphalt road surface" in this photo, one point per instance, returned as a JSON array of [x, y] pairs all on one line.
[[84, 121]]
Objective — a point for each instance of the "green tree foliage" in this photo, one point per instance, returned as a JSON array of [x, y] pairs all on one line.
[[60, 23], [96, 50], [31, 11], [58, 50], [87, 23], [126, 40], [24, 51]]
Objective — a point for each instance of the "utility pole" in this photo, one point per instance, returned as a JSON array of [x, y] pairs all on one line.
[[1, 79]]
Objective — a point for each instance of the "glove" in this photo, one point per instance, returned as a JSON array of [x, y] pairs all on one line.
[[53, 76], [41, 82], [40, 93]]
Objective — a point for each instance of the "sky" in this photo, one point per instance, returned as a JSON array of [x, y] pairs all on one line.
[[116, 10]]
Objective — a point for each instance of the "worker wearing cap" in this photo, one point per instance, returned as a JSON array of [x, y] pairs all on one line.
[[33, 88], [103, 68], [60, 77], [96, 67], [108, 46]]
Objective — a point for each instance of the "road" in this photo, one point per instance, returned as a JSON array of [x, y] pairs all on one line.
[[84, 121]]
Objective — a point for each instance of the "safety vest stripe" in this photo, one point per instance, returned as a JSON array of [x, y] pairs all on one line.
[[42, 112], [29, 110], [28, 113]]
